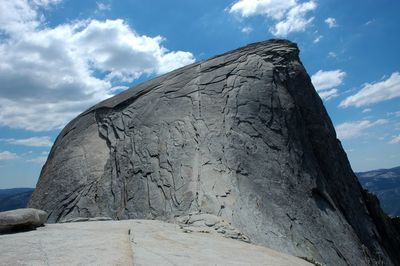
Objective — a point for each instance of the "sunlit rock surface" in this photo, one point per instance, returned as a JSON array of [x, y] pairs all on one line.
[[243, 136], [132, 242]]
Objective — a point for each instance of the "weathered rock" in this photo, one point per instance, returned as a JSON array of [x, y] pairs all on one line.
[[85, 243], [21, 220], [243, 136], [208, 223], [132, 242], [85, 219], [158, 243]]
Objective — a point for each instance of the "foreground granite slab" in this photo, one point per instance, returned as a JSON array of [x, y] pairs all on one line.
[[159, 243], [86, 243], [132, 242]]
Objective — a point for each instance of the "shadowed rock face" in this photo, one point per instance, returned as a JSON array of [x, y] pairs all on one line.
[[243, 136]]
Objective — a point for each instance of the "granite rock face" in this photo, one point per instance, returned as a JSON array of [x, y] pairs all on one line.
[[21, 220], [243, 136], [133, 242]]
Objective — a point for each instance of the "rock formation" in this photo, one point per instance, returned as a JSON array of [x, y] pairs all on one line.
[[21, 220], [133, 242], [243, 136]]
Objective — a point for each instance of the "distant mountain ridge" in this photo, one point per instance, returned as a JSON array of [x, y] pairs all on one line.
[[14, 198], [385, 184]]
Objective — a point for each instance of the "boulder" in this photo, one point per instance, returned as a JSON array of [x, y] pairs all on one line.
[[21, 220]]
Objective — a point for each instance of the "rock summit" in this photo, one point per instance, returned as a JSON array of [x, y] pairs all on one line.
[[243, 136]]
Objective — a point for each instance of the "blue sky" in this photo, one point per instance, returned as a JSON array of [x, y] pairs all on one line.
[[59, 57]]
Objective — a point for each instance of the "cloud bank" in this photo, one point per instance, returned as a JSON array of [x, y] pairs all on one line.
[[50, 74], [31, 142], [6, 155], [375, 92], [349, 130]]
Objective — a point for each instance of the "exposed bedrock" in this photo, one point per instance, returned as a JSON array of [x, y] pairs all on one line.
[[243, 135]]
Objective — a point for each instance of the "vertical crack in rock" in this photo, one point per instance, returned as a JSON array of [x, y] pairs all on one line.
[[243, 137]]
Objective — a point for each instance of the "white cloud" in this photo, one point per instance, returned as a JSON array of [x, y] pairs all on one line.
[[295, 20], [6, 155], [271, 8], [397, 114], [39, 160], [395, 140], [366, 110], [31, 142], [375, 92], [369, 22], [49, 75], [331, 22], [17, 15], [103, 6], [328, 94], [247, 29], [323, 80], [288, 16], [332, 55], [326, 81], [354, 129], [318, 39], [45, 3]]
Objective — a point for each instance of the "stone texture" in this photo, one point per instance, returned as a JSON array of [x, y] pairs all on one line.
[[85, 243], [21, 220], [243, 136], [132, 242], [158, 243], [208, 223], [85, 219]]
